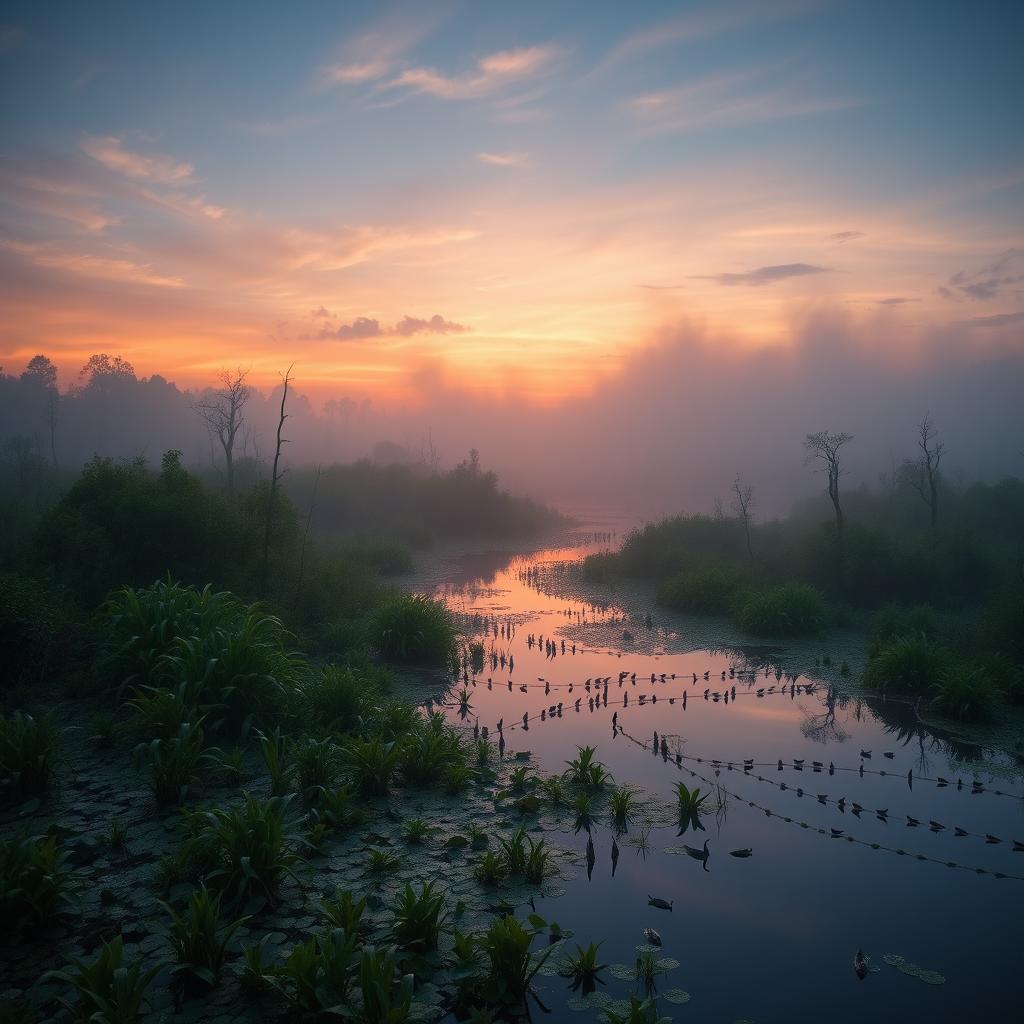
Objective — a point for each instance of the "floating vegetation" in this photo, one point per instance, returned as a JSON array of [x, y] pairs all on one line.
[[676, 995], [906, 967]]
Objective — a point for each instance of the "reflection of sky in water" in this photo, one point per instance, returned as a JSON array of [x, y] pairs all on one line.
[[772, 937]]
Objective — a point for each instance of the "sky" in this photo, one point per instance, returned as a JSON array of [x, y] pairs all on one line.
[[513, 203]]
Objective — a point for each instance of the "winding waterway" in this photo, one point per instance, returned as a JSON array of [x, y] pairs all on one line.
[[866, 829]]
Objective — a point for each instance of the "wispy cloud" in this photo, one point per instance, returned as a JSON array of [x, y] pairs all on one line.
[[89, 264], [504, 159], [696, 25], [154, 167], [369, 327], [845, 236], [490, 74], [896, 300], [998, 320], [748, 96], [988, 282], [768, 275]]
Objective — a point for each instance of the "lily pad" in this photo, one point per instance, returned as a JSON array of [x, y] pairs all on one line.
[[676, 995], [622, 971], [666, 963]]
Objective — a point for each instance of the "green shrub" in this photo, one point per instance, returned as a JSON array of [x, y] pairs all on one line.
[[174, 763], [710, 591], [371, 763], [317, 976], [35, 883], [339, 697], [251, 846], [28, 748], [386, 993], [965, 693], [909, 664], [783, 609], [892, 621], [198, 940], [419, 918], [109, 991], [414, 628], [430, 751]]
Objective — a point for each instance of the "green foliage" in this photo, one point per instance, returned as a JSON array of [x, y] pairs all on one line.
[[383, 861], [585, 772], [371, 763], [416, 830], [713, 590], [386, 993], [343, 912], [37, 632], [414, 628], [274, 749], [28, 748], [198, 940], [430, 751], [251, 847], [909, 664], [537, 859], [419, 918], [691, 803], [174, 763], [892, 621], [316, 764], [35, 883], [600, 568], [583, 965], [784, 609], [109, 991], [511, 965], [621, 806], [492, 868], [254, 976], [513, 850], [641, 1011], [317, 976], [965, 693], [336, 808], [341, 696]]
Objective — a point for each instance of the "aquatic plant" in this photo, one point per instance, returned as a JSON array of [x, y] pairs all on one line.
[[28, 748], [416, 830], [910, 664], [512, 967], [691, 805], [457, 778], [274, 749], [419, 918], [584, 807], [478, 836], [641, 1011], [584, 771], [251, 847], [383, 861], [648, 969], [108, 990], [513, 850], [785, 608], [254, 976], [316, 764], [536, 864], [583, 966], [492, 868], [35, 882], [713, 590], [317, 975], [464, 702], [340, 696], [198, 940], [965, 693], [174, 762], [484, 751], [554, 789], [342, 911], [414, 628], [386, 992], [521, 778], [430, 751], [371, 763], [621, 804]]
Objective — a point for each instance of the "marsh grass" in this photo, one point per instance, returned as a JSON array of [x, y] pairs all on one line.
[[621, 807], [36, 884], [420, 918], [344, 912], [371, 763], [781, 609], [174, 763], [199, 941], [414, 628], [28, 750]]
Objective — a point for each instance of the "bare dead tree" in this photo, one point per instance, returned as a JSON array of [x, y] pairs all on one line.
[[924, 473], [224, 415], [826, 447], [275, 476], [743, 505]]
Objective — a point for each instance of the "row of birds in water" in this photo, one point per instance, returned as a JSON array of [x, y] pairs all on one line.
[[830, 833]]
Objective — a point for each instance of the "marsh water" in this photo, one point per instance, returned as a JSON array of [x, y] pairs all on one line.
[[931, 888]]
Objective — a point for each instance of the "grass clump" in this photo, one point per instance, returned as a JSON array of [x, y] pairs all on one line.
[[908, 664], [419, 918], [782, 609], [28, 749], [371, 763], [198, 941], [174, 763], [35, 882], [965, 693], [414, 628], [708, 591]]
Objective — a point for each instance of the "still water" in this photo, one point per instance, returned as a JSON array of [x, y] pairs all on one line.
[[770, 937]]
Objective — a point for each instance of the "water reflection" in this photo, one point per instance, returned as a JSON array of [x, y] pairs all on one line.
[[830, 824]]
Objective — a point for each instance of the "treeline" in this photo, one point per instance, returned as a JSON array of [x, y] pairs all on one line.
[[935, 572]]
